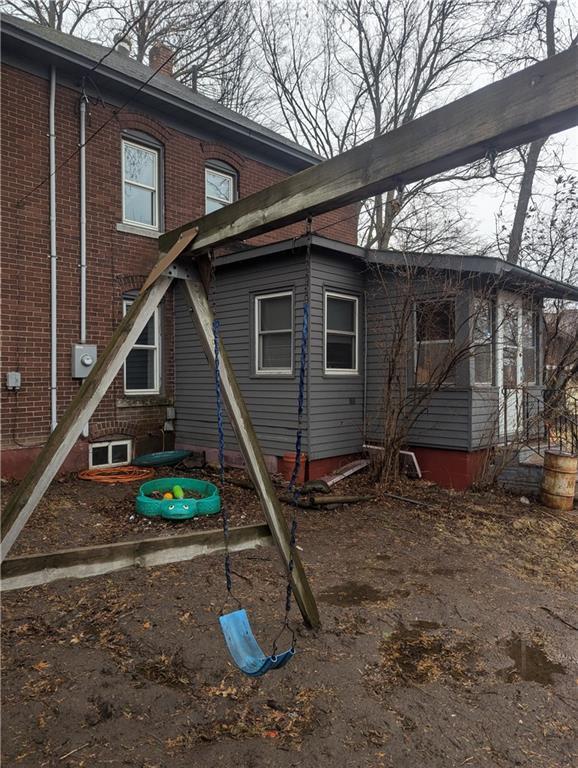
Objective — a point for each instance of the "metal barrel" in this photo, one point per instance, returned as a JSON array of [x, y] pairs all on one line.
[[559, 480]]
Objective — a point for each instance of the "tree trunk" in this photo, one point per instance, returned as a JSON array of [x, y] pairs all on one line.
[[524, 196]]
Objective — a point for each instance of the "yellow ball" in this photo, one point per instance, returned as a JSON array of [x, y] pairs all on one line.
[[167, 495]]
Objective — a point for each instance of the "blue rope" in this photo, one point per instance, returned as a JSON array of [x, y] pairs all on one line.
[[298, 452], [221, 433]]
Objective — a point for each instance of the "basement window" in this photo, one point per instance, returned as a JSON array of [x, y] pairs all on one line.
[[111, 454], [274, 333], [141, 367], [341, 323]]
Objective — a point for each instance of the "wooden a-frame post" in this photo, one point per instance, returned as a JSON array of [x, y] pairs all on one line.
[[535, 102]]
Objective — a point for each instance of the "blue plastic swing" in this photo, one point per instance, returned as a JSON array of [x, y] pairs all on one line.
[[243, 647], [245, 650]]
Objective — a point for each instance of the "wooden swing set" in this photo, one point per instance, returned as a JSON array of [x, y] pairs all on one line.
[[536, 102]]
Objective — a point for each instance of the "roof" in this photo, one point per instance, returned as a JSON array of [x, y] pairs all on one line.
[[502, 271], [53, 46]]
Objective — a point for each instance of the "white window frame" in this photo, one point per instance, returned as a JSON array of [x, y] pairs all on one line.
[[231, 175], [341, 371], [449, 382], [156, 347], [258, 333], [155, 189], [110, 444], [491, 343]]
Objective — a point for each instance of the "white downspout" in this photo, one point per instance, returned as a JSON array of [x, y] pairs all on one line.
[[82, 265], [82, 226], [53, 255]]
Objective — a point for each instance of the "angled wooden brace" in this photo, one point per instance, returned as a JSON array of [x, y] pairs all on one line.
[[26, 497], [196, 296]]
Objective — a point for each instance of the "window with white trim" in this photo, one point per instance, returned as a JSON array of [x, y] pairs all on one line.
[[141, 367], [529, 346], [274, 333], [340, 333], [140, 185], [483, 341], [435, 324], [220, 185], [115, 453]]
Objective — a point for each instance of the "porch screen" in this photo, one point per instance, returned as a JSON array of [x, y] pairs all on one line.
[[483, 351], [435, 333], [529, 337], [274, 323]]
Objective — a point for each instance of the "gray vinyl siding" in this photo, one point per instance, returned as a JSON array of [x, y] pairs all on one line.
[[442, 418], [485, 409], [271, 399], [336, 400]]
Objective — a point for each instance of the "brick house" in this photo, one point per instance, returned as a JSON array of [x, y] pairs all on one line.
[[166, 157]]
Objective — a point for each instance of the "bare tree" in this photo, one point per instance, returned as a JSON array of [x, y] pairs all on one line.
[[550, 38], [64, 15], [212, 40], [355, 69]]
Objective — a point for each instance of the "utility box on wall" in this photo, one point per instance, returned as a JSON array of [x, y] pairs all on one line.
[[83, 360]]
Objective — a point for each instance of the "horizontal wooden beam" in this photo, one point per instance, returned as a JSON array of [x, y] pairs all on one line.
[[83, 562], [536, 102]]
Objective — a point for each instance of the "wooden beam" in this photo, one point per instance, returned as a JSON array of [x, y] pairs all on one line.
[[84, 562], [241, 421], [24, 500], [535, 102]]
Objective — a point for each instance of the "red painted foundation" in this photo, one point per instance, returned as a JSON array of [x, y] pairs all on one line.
[[312, 470], [17, 461], [451, 469]]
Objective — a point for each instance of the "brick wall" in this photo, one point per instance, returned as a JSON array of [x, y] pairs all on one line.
[[117, 262]]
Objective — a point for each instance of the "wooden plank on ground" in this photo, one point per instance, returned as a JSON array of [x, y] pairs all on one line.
[[535, 102], [83, 562], [346, 471], [240, 419]]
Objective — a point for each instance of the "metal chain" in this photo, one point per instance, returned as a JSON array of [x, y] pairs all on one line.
[[293, 489]]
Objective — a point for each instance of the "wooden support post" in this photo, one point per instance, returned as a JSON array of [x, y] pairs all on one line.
[[23, 502], [240, 419]]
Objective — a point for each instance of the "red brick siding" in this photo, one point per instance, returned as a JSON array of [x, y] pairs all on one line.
[[117, 262]]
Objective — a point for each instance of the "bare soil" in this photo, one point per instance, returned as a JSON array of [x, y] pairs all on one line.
[[449, 639]]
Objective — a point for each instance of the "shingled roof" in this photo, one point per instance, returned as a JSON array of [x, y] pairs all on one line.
[[52, 46]]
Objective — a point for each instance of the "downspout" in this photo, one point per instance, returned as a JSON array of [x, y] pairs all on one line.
[[364, 368], [53, 255], [82, 225]]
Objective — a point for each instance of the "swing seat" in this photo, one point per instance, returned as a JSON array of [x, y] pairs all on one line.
[[245, 650]]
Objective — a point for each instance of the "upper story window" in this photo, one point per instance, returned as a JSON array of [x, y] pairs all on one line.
[[274, 333], [220, 186], [340, 331], [142, 365], [482, 341], [435, 342], [140, 184]]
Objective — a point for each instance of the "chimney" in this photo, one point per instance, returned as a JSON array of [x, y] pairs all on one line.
[[160, 59], [122, 44]]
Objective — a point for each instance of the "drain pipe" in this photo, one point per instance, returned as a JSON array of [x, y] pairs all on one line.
[[53, 255], [82, 224]]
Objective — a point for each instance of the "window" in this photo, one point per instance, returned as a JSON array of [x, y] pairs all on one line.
[[483, 348], [340, 333], [274, 332], [434, 335], [140, 181], [141, 368], [529, 346], [113, 454], [219, 187]]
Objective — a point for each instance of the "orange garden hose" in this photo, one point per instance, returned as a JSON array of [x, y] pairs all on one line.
[[117, 474]]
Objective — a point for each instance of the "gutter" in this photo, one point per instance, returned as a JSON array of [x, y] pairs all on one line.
[[53, 254]]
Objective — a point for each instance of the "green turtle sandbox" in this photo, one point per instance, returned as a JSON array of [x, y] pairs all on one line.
[[207, 503]]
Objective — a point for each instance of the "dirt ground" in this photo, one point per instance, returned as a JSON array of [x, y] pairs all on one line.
[[449, 639]]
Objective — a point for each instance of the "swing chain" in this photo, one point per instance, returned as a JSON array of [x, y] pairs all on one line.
[[293, 489]]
